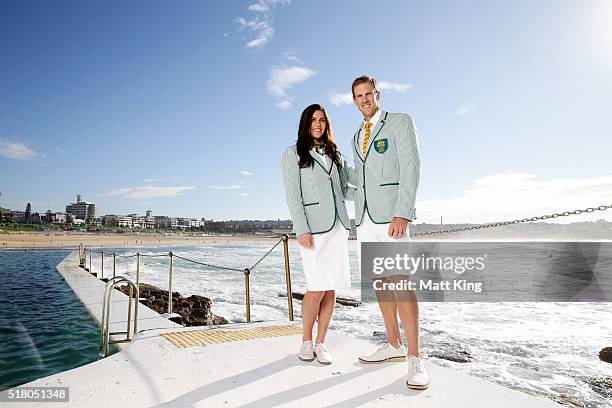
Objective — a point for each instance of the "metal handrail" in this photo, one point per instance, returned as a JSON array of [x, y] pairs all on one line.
[[246, 271], [106, 303]]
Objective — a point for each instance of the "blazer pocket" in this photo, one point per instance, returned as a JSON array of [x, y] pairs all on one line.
[[389, 184], [306, 205]]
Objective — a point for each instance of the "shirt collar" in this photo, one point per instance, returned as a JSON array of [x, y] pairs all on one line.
[[374, 119]]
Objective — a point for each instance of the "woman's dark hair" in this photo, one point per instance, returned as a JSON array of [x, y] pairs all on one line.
[[305, 141]]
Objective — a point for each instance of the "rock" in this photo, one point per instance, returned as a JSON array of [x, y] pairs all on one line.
[[193, 310], [602, 385], [605, 354], [458, 353]]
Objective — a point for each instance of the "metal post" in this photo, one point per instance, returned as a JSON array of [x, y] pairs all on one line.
[[90, 269], [129, 323], [114, 264], [138, 294], [288, 275], [102, 265], [247, 289], [170, 285]]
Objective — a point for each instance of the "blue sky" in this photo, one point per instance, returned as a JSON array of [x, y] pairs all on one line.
[[185, 107]]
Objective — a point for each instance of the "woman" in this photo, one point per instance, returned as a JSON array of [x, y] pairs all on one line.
[[316, 183]]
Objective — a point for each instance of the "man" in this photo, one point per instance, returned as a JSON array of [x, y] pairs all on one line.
[[387, 171]]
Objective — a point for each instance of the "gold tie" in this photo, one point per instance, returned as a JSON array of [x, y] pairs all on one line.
[[366, 137]]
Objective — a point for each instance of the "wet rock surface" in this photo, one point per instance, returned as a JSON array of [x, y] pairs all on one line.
[[194, 310], [605, 354], [601, 385], [457, 353]]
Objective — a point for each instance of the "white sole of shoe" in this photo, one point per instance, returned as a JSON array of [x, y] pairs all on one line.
[[322, 362], [308, 360], [417, 387], [387, 360]]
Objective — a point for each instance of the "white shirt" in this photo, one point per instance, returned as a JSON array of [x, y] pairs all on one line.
[[373, 123], [326, 159]]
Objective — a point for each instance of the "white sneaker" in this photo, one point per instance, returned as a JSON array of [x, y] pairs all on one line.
[[323, 355], [306, 352], [417, 374], [385, 353]]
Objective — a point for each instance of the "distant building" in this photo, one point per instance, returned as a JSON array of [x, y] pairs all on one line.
[[60, 218], [82, 210], [161, 221], [18, 217], [124, 221], [28, 214], [49, 217], [110, 220], [5, 214]]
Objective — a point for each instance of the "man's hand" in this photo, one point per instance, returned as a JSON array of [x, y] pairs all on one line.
[[305, 240], [398, 227]]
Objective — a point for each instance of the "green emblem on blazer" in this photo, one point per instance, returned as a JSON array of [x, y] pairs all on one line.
[[381, 145]]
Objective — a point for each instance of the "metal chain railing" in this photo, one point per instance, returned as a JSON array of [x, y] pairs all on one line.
[[285, 240], [225, 268], [266, 254], [171, 255], [513, 222]]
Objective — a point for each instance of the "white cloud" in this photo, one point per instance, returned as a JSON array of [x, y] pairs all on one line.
[[148, 192], [16, 150], [228, 187], [247, 173], [284, 104], [261, 23], [393, 86], [159, 180], [516, 195], [283, 78], [466, 108], [341, 98], [244, 195], [292, 56]]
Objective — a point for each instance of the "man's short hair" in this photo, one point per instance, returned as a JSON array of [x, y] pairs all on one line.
[[361, 80]]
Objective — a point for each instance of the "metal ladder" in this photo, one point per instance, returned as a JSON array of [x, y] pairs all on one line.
[[106, 303]]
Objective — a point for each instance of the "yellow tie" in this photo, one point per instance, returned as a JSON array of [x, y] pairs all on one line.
[[366, 137]]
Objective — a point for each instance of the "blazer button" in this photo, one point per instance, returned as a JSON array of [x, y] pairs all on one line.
[[329, 177], [365, 167]]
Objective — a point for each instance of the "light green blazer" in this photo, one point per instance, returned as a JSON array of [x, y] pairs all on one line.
[[315, 195], [387, 177]]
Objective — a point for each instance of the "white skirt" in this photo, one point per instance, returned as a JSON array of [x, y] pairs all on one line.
[[326, 264]]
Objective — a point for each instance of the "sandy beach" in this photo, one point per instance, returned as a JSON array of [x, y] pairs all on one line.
[[39, 240]]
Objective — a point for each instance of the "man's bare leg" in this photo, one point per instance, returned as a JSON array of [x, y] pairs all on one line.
[[388, 309], [408, 310]]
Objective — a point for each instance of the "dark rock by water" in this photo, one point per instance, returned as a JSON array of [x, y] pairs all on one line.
[[606, 354], [601, 385], [193, 310], [458, 353]]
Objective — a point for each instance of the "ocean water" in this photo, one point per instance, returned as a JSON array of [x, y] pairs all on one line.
[[44, 328], [541, 348]]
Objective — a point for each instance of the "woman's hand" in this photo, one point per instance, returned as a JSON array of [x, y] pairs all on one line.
[[305, 240]]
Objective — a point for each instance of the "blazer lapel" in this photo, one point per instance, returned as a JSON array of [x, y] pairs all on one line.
[[376, 131], [317, 158], [358, 149]]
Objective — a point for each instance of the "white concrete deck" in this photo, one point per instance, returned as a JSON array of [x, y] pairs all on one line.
[[90, 291], [152, 371]]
